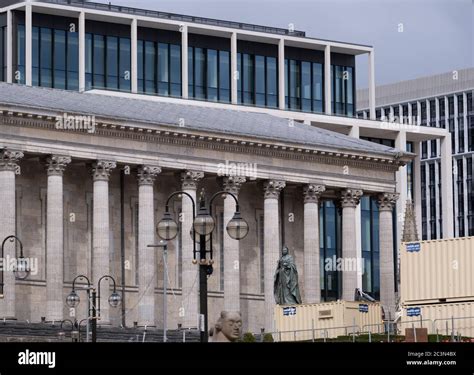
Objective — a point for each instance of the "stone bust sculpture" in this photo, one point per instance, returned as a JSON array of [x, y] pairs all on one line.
[[227, 327], [285, 288]]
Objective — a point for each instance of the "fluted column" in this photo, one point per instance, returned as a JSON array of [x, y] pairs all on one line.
[[272, 245], [190, 271], [55, 166], [8, 165], [387, 202], [231, 248], [146, 236], [349, 200], [101, 226], [312, 286]]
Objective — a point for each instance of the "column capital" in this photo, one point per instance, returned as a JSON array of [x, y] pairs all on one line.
[[101, 169], [9, 159], [313, 192], [190, 179], [56, 164], [147, 174], [232, 184], [272, 188], [386, 201], [350, 197]]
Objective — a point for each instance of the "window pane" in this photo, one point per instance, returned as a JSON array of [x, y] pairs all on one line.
[[199, 73], [163, 69], [248, 79], [88, 61], [175, 69], [260, 80], [35, 56], [150, 81], [306, 86], [112, 62], [212, 74], [59, 50], [140, 61], [224, 76], [272, 79], [317, 87], [72, 61], [125, 64], [239, 78], [191, 71], [46, 48]]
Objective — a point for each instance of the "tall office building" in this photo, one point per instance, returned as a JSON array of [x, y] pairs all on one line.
[[124, 106], [440, 101]]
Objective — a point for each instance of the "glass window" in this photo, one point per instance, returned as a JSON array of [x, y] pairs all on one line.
[[224, 76], [72, 78], [295, 84], [239, 77], [199, 73], [272, 82], [89, 61], [112, 62], [125, 65], [150, 63], [260, 81], [163, 69], [175, 69], [35, 56], [191, 72], [60, 59], [46, 57], [2, 54], [248, 79], [212, 75], [306, 86], [98, 64], [318, 88]]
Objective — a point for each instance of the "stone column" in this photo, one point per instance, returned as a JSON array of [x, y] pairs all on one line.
[[8, 166], [312, 286], [231, 248], [146, 236], [100, 232], [55, 166], [387, 202], [349, 200], [190, 271], [272, 245]]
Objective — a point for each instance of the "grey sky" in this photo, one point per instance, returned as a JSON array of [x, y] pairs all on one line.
[[437, 34]]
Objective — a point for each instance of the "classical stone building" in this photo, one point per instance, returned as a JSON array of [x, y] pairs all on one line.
[[97, 129]]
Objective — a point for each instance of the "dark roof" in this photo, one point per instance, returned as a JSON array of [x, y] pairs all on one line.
[[237, 122]]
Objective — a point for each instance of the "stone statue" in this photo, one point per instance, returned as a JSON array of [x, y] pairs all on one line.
[[285, 287], [227, 327]]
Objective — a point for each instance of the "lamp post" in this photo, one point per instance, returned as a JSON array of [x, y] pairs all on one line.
[[72, 300], [21, 267], [164, 245], [203, 226]]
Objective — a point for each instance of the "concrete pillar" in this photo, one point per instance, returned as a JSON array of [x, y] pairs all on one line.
[[190, 271], [184, 62], [349, 200], [447, 186], [327, 80], [8, 167], [372, 84], [231, 248], [146, 236], [233, 68], [272, 245], [134, 53], [100, 232], [28, 44], [55, 166], [281, 73], [312, 276], [386, 203], [9, 47], [402, 183], [82, 51]]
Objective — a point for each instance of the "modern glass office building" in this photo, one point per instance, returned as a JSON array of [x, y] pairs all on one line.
[[446, 105]]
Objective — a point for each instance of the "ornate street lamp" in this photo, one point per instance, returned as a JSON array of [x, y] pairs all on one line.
[[21, 268], [201, 231]]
